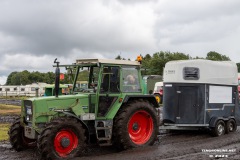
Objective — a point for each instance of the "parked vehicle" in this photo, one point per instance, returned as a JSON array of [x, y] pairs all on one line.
[[149, 83], [158, 92], [201, 94], [23, 90], [50, 90], [114, 111]]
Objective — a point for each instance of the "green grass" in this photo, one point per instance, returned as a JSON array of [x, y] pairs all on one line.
[[4, 127], [14, 97], [9, 110]]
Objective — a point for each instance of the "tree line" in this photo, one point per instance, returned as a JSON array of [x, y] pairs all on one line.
[[152, 65], [25, 77]]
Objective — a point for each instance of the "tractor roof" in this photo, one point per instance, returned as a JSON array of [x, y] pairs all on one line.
[[107, 61]]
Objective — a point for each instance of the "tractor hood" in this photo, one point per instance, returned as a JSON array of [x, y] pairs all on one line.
[[43, 107]]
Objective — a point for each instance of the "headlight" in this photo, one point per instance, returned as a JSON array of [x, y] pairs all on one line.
[[28, 107], [28, 118], [29, 111]]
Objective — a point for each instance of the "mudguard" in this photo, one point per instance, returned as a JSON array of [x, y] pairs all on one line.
[[214, 120]]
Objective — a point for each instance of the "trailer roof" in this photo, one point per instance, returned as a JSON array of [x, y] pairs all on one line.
[[106, 61], [213, 72]]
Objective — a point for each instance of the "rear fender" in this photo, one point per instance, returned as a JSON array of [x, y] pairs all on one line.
[[150, 98]]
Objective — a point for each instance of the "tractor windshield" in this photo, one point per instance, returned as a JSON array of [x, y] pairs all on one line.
[[87, 79], [130, 79]]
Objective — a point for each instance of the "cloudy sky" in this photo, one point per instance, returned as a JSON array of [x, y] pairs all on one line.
[[34, 33]]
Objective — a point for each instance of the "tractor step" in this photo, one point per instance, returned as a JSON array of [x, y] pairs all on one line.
[[104, 141], [104, 133], [103, 128]]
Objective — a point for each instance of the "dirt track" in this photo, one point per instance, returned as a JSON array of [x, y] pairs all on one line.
[[184, 145]]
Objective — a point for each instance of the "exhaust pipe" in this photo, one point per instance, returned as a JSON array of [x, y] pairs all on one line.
[[57, 78]]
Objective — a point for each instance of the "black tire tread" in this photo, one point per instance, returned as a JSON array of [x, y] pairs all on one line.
[[45, 140], [15, 136], [120, 132], [227, 124], [214, 131]]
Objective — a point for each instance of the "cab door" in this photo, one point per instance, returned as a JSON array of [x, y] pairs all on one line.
[[109, 90]]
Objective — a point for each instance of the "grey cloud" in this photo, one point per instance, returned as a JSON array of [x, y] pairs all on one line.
[[44, 30], [49, 29]]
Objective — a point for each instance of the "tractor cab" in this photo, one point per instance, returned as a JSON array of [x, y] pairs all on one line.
[[107, 82]]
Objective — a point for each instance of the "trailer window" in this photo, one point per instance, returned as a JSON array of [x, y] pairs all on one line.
[[7, 89], [15, 89], [0, 89], [191, 73], [22, 89]]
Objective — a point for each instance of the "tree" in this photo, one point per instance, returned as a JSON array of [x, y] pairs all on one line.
[[24, 75], [238, 66], [10, 77], [83, 75], [212, 55], [146, 64], [120, 58], [159, 59]]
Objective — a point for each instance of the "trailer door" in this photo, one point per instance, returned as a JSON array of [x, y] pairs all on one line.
[[187, 105]]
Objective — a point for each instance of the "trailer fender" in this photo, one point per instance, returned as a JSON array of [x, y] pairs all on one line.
[[214, 120]]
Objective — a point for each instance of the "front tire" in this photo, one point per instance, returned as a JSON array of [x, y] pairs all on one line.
[[135, 125], [62, 138], [17, 139]]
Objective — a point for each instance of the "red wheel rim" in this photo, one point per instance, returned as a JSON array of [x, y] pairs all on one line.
[[65, 142], [140, 127]]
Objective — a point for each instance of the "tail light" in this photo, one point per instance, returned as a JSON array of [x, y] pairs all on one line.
[[161, 91]]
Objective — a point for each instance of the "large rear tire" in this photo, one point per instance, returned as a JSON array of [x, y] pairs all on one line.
[[135, 125], [63, 138], [17, 139]]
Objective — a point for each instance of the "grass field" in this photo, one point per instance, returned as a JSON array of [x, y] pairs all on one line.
[[6, 110], [4, 127], [9, 110], [14, 98]]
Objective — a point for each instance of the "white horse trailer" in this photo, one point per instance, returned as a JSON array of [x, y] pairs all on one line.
[[201, 94]]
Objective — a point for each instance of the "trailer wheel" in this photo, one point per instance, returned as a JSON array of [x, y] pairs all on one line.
[[62, 138], [231, 126], [135, 125], [17, 139], [219, 129]]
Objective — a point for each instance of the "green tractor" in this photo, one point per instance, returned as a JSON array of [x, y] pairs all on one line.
[[112, 111]]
